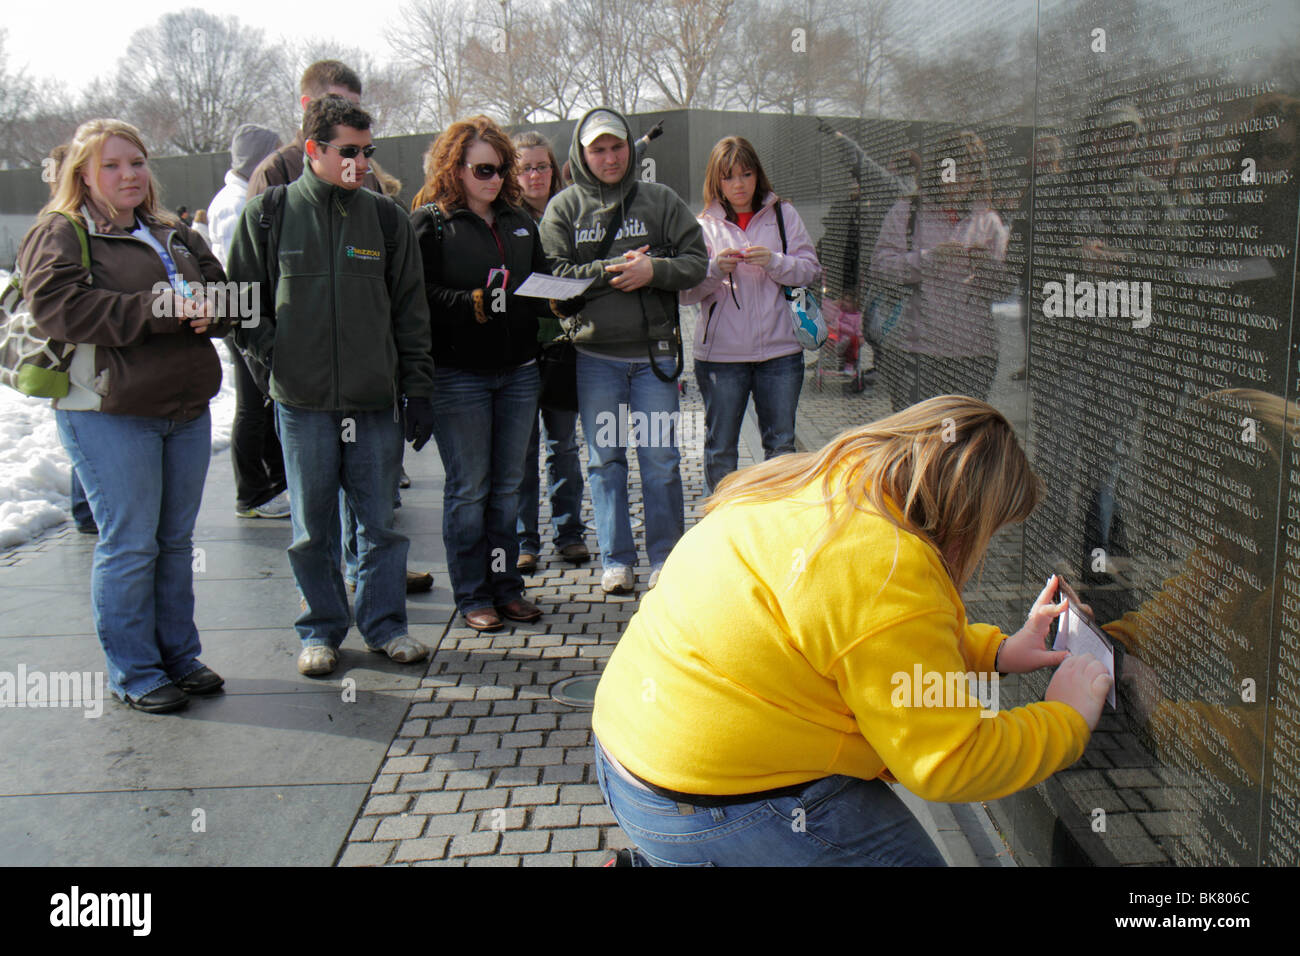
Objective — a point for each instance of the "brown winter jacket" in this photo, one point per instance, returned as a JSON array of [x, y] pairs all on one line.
[[128, 361]]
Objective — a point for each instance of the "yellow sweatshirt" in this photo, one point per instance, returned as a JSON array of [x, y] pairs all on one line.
[[756, 663]]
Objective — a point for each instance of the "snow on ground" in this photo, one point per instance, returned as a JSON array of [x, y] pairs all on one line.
[[34, 472]]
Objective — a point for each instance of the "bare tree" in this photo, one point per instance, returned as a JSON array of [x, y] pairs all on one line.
[[192, 78], [391, 93], [430, 38], [500, 56], [684, 36], [556, 60], [615, 62]]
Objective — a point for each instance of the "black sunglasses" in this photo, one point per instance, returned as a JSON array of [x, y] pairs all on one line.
[[484, 171], [349, 152]]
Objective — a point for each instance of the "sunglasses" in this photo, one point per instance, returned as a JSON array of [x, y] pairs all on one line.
[[349, 152], [485, 171]]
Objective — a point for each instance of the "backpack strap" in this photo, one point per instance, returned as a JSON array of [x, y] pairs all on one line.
[[82, 238], [436, 213], [611, 227], [780, 224], [269, 225], [388, 223]]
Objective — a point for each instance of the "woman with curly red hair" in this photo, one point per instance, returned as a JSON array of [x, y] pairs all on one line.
[[478, 246]]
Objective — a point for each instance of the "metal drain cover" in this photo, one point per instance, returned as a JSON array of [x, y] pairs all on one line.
[[576, 691]]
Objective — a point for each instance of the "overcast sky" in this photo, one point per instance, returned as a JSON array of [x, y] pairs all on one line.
[[76, 41]]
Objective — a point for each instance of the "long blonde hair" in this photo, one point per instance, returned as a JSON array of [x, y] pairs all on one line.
[[83, 155], [948, 469]]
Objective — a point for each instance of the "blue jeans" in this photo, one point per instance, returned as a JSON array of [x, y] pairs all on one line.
[[361, 453], [144, 480], [726, 387], [625, 404], [481, 422], [835, 821], [564, 478], [81, 515]]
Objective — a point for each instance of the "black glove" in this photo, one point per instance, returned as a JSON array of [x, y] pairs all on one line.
[[565, 308], [419, 422]]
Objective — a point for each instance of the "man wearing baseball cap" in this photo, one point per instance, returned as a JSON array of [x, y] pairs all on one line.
[[641, 245]]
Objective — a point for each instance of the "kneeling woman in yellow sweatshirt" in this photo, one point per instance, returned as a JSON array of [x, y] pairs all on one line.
[[807, 642]]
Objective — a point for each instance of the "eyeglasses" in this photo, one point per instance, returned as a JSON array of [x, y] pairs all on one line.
[[484, 171], [540, 168], [349, 152]]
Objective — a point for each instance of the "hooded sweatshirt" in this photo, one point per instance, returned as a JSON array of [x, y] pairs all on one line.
[[744, 317], [614, 324]]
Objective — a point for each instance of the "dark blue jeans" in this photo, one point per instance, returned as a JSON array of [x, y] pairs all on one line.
[[361, 453], [564, 478], [726, 387], [481, 422], [835, 821]]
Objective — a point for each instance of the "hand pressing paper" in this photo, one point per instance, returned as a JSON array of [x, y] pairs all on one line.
[[1076, 633]]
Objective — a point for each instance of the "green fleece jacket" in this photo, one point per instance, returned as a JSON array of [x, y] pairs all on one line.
[[350, 328], [622, 324]]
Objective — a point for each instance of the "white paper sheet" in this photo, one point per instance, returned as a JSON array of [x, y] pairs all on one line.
[[540, 286], [1076, 634]]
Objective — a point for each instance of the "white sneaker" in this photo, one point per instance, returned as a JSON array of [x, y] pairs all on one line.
[[617, 580], [654, 577], [277, 507], [316, 660], [404, 650]]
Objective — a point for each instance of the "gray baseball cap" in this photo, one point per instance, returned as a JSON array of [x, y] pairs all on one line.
[[598, 124]]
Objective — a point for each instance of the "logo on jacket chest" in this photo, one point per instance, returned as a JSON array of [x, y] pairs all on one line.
[[357, 252], [632, 228]]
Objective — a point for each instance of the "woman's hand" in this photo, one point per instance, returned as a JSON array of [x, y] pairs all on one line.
[[728, 259], [758, 256], [1026, 650], [195, 312], [636, 272], [1082, 683]]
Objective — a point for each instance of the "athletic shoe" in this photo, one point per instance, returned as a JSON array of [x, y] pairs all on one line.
[[617, 580], [404, 650], [317, 660], [277, 507]]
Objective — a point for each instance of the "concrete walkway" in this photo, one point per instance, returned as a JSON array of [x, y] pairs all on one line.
[[464, 760]]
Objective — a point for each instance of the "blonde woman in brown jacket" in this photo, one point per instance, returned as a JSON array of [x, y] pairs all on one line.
[[135, 421]]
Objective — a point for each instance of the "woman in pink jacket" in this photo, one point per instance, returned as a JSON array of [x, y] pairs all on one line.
[[744, 340], [948, 246]]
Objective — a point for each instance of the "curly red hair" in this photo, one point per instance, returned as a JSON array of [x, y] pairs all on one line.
[[446, 156]]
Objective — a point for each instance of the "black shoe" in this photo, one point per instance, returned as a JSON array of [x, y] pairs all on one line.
[[620, 858], [88, 528], [166, 698], [203, 681]]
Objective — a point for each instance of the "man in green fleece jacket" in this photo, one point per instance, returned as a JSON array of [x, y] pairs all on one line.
[[626, 335], [346, 337]]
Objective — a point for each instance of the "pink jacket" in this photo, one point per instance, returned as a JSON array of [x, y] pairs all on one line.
[[950, 316], [755, 325]]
